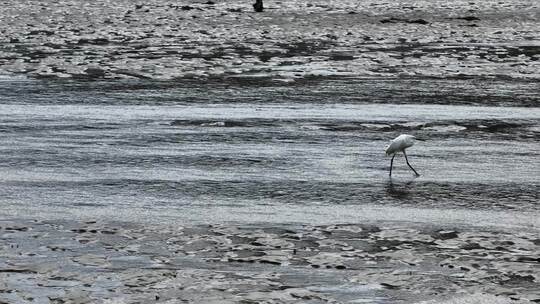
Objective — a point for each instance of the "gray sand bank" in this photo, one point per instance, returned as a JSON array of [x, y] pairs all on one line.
[[291, 40], [111, 262]]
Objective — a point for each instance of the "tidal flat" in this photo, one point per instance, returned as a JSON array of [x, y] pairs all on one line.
[[111, 262], [199, 152]]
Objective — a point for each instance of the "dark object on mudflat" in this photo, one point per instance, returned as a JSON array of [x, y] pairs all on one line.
[[96, 41], [389, 286], [398, 20], [468, 18], [258, 6], [95, 73], [445, 235]]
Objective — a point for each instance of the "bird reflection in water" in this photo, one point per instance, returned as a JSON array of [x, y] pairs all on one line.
[[400, 190]]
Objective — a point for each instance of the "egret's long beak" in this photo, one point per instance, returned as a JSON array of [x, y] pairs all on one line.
[[420, 139]]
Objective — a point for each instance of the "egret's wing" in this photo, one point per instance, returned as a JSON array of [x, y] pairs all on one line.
[[392, 148]]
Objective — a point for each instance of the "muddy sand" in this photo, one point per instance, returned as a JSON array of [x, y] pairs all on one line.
[[291, 40], [92, 55], [108, 262]]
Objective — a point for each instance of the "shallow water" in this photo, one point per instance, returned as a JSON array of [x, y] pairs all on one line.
[[210, 152]]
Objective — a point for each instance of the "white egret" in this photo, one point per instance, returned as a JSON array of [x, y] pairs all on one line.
[[399, 144]]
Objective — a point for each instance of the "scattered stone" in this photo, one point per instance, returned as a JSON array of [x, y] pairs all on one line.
[[445, 235], [399, 20], [41, 32], [95, 72], [468, 18], [389, 286], [528, 259], [472, 246]]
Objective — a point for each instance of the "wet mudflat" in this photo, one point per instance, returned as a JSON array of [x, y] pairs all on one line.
[[168, 40], [89, 262], [196, 152], [137, 192]]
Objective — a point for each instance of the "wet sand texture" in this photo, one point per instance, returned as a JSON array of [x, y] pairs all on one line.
[[69, 262], [166, 40]]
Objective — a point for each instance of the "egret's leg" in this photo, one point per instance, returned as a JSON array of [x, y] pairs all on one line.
[[407, 160], [392, 163]]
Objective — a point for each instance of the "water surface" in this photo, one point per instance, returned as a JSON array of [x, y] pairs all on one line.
[[218, 153]]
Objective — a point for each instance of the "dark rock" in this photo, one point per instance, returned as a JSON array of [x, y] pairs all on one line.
[[389, 286], [391, 20], [186, 8], [468, 18], [516, 279], [472, 246], [419, 21], [371, 229], [16, 228], [290, 236], [96, 41], [398, 20], [41, 32], [100, 41], [445, 235], [507, 243], [95, 72], [332, 37], [14, 270], [523, 259], [130, 73]]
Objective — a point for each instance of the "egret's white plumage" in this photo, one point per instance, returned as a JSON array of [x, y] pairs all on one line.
[[399, 144]]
